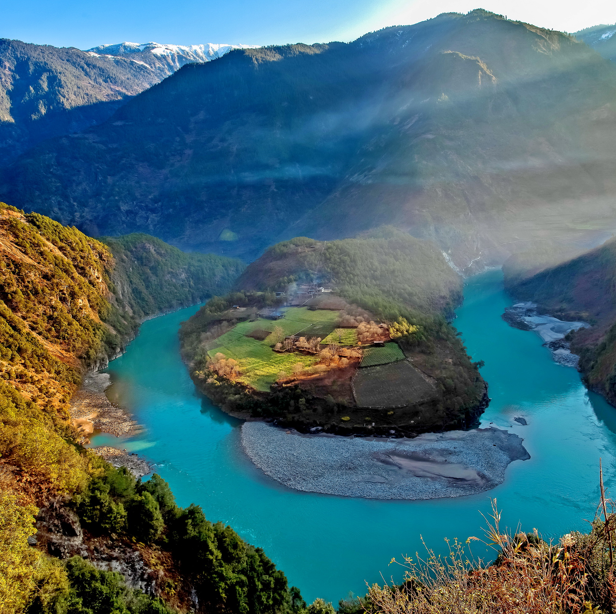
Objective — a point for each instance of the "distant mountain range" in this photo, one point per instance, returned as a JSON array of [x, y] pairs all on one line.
[[481, 134], [47, 91], [165, 58], [601, 38]]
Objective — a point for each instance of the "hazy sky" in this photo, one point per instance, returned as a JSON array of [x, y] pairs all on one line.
[[85, 23]]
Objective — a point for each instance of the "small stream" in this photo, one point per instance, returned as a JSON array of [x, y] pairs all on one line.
[[329, 546]]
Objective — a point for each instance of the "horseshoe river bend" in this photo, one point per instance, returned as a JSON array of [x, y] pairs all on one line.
[[329, 546]]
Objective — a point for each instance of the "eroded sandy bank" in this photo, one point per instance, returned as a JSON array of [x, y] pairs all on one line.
[[431, 466]]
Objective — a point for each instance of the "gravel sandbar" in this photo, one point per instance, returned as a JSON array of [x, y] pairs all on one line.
[[431, 466]]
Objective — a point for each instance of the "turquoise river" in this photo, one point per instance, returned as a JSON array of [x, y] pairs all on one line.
[[329, 546]]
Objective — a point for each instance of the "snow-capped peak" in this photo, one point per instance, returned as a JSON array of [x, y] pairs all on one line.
[[176, 54]]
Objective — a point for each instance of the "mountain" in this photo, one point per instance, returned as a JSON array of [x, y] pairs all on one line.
[[165, 59], [479, 133], [583, 288], [601, 38], [66, 304], [60, 306], [47, 91]]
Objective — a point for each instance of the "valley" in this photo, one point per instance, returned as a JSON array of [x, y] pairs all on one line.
[[198, 449], [271, 315]]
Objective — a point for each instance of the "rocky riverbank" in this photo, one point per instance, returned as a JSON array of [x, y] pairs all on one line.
[[119, 457], [430, 466], [552, 330], [92, 411]]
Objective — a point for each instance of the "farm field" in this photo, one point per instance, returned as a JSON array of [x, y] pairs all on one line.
[[392, 385], [342, 336], [375, 356], [259, 365]]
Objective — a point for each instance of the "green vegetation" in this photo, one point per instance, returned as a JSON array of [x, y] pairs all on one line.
[[52, 91], [384, 278], [228, 574], [259, 365], [392, 385], [342, 336], [374, 356], [384, 272], [483, 93], [152, 276], [58, 292], [57, 300], [86, 590]]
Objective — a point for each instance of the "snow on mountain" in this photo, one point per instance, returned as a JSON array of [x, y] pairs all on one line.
[[161, 56]]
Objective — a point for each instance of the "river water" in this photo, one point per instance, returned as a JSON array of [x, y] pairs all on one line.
[[329, 546]]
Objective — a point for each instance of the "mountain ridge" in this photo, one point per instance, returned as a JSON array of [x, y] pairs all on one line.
[[449, 139]]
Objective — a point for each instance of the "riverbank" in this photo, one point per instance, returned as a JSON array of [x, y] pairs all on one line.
[[552, 330], [91, 411], [430, 466]]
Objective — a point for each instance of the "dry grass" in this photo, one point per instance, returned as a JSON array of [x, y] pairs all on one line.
[[529, 576]]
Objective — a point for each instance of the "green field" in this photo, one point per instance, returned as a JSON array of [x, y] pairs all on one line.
[[382, 356], [260, 366], [342, 336]]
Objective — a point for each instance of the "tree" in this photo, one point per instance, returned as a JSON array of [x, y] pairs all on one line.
[[319, 606], [160, 491], [277, 334], [17, 559], [145, 522], [298, 367], [402, 328]]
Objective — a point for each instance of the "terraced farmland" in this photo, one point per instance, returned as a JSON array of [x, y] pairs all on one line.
[[375, 356], [341, 336], [259, 365]]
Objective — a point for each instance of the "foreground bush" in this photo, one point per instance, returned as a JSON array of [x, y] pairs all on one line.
[[576, 576]]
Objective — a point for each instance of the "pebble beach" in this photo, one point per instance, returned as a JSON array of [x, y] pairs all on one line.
[[430, 466]]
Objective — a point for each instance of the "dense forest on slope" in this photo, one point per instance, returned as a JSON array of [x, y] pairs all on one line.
[[480, 133], [583, 288], [56, 299], [151, 277], [384, 265], [388, 282], [47, 92]]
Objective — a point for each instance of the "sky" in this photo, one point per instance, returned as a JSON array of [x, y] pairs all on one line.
[[86, 23]]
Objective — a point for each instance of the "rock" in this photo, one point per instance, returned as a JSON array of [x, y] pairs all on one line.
[[521, 420], [137, 465]]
